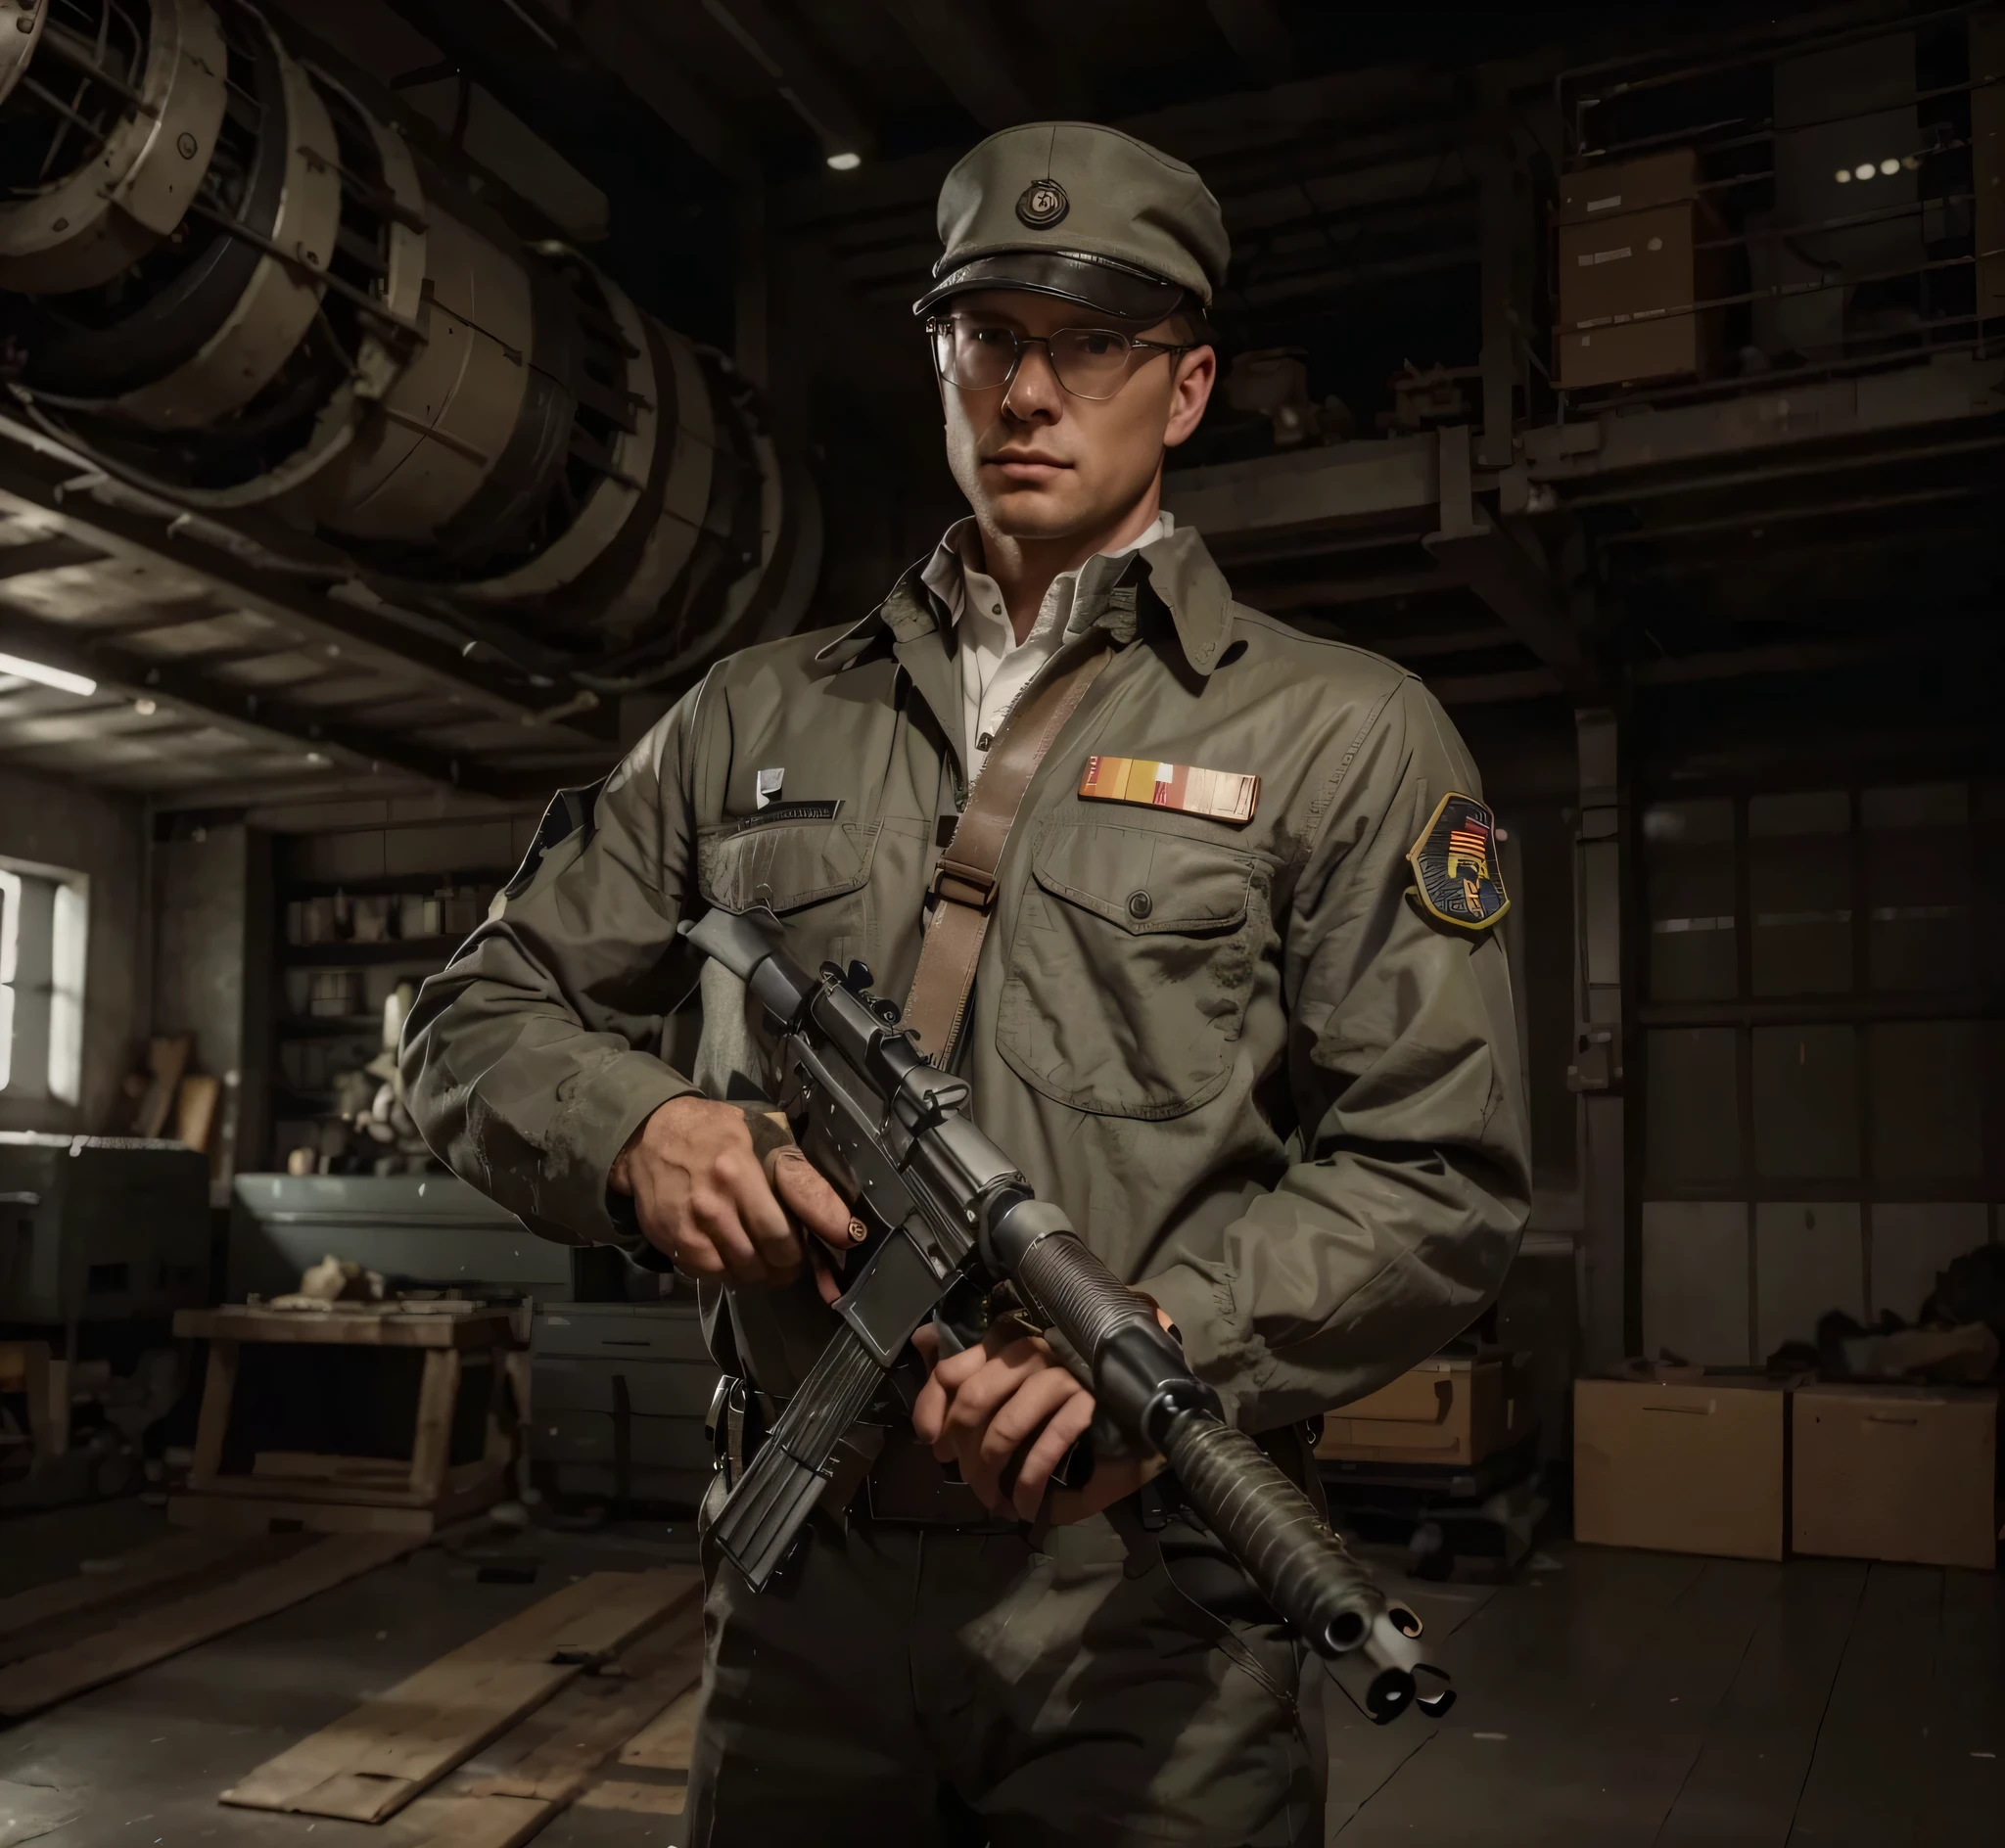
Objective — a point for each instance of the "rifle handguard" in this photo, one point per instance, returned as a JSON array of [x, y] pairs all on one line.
[[1141, 1377]]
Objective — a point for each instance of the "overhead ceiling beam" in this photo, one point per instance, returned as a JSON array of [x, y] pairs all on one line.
[[264, 719], [1326, 593], [1499, 569], [39, 479], [966, 50], [609, 31], [1259, 37], [1951, 642], [797, 74]]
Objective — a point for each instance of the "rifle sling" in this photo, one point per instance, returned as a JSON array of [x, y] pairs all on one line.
[[965, 880]]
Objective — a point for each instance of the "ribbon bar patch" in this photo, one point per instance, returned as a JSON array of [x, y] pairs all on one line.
[[1222, 794]]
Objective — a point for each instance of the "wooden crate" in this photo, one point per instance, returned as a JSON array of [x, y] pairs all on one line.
[[350, 1494]]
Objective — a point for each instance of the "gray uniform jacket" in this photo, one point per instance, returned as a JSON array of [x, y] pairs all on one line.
[[1268, 1088]]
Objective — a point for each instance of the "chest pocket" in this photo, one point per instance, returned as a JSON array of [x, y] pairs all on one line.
[[814, 875], [1131, 967]]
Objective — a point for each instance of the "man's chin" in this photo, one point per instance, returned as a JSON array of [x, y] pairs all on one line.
[[1033, 511]]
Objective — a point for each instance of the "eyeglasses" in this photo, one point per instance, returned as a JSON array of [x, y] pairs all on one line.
[[1091, 362]]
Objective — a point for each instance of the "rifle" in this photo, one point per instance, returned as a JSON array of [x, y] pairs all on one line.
[[948, 1208]]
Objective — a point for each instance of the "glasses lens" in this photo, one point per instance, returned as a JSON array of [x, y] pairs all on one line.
[[1090, 361], [973, 355]]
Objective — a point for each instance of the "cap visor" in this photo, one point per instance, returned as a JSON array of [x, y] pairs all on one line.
[[1093, 282]]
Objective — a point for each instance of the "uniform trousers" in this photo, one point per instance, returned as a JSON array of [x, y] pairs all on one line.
[[912, 1686]]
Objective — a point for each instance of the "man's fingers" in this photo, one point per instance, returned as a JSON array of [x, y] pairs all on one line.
[[954, 1371], [715, 1218], [762, 1216], [811, 1199], [929, 1412], [1063, 1429], [996, 1447], [1023, 1413], [976, 1401]]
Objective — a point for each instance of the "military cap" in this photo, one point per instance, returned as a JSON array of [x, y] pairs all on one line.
[[1081, 211]]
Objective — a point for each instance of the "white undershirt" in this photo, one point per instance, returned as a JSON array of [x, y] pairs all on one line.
[[995, 667]]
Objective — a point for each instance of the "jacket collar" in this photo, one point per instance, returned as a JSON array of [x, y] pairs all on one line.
[[1177, 571]]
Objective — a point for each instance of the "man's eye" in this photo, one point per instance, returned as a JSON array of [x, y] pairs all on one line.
[[989, 336], [1099, 344]]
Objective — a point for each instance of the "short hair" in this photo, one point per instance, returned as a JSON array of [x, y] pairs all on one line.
[[1192, 325]]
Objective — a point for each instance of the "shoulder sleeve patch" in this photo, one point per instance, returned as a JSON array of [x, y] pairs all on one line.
[[1457, 878], [571, 812]]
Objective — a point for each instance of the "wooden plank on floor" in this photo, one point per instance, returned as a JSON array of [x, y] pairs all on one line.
[[1744, 1784], [1526, 1668], [595, 1717], [372, 1762], [520, 1785], [250, 1515], [450, 1820], [148, 1637], [1872, 1757], [632, 1797], [158, 1562], [666, 1744], [1964, 1793], [1363, 1756], [1611, 1771]]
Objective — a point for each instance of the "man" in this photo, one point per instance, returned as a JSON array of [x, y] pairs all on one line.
[[1236, 1005]]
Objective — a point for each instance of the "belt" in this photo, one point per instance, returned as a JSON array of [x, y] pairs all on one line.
[[904, 1484]]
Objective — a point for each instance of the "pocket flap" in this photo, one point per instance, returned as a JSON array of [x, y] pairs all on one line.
[[1144, 879], [783, 866]]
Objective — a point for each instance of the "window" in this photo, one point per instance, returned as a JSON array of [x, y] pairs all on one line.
[[1822, 1126], [44, 930]]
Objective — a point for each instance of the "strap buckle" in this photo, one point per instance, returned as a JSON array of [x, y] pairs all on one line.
[[958, 883]]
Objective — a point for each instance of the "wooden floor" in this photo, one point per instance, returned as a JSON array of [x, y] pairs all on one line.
[[1607, 1701], [1646, 1700]]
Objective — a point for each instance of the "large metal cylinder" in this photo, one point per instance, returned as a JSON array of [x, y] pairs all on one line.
[[226, 279]]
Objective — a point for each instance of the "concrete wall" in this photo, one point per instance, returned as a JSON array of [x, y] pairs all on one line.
[[103, 835], [213, 933]]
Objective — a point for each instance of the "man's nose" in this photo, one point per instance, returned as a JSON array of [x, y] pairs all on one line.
[[1035, 389]]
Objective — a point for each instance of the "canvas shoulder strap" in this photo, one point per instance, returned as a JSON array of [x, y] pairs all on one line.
[[963, 884]]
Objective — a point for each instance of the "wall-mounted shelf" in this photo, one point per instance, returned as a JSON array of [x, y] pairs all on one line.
[[432, 951]]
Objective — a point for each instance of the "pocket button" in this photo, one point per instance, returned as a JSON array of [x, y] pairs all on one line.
[[1140, 905]]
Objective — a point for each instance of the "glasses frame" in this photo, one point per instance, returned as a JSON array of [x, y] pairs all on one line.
[[937, 323]]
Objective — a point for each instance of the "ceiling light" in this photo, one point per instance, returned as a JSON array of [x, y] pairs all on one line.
[[845, 161], [1843, 176], [47, 677], [145, 708], [319, 761], [1889, 167], [1864, 171], [1911, 162]]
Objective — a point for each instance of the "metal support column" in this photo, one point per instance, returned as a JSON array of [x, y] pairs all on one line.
[[1597, 1073]]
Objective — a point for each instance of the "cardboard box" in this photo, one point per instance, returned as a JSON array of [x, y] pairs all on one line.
[[1598, 193], [1896, 1472], [1630, 269], [1690, 1464], [1453, 1410]]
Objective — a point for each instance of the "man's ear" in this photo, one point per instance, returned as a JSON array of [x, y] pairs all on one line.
[[1189, 392]]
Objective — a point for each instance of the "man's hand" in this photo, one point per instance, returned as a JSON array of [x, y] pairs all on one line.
[[981, 1408], [703, 1195]]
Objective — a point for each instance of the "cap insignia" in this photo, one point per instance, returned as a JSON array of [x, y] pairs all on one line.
[[1043, 204]]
